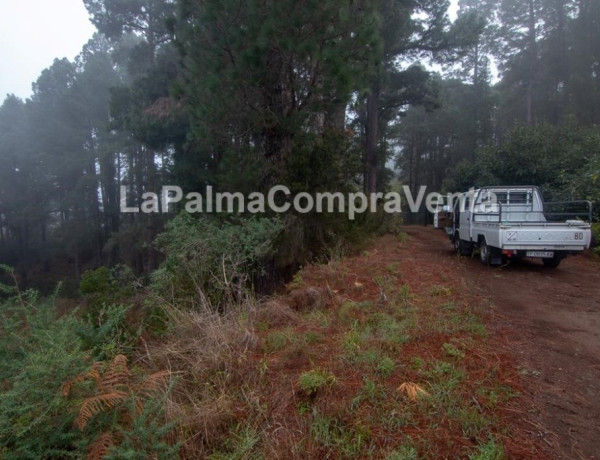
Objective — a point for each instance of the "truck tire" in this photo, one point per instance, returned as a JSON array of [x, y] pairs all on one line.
[[553, 262], [456, 242], [462, 247], [484, 253]]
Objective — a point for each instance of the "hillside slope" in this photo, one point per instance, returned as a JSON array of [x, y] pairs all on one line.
[[403, 351]]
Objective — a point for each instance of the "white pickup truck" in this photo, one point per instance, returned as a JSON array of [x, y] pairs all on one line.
[[513, 222]]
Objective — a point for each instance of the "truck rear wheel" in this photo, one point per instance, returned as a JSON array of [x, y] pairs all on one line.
[[553, 262], [484, 253]]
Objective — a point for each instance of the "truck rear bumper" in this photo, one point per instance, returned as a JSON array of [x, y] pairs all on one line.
[[544, 247]]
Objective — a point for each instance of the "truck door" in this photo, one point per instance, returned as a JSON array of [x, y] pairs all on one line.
[[456, 216], [465, 217]]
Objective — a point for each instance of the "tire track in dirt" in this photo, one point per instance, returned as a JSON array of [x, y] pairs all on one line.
[[549, 320]]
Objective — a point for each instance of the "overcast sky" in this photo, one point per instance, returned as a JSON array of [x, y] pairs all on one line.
[[35, 32]]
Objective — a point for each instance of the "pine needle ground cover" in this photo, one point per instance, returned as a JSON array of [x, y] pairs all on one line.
[[379, 355]]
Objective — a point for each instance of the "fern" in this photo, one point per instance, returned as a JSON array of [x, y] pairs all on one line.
[[118, 392], [92, 374], [93, 405], [155, 384], [101, 446], [117, 376]]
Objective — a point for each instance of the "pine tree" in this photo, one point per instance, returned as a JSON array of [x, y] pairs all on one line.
[[260, 74]]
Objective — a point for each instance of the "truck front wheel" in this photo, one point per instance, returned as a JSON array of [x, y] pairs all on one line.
[[461, 246], [456, 241]]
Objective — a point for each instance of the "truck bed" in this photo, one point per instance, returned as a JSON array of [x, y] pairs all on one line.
[[566, 236], [517, 228]]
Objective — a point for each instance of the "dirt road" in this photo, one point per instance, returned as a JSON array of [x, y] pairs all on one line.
[[549, 320]]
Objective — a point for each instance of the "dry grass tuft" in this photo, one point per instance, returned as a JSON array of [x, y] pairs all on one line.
[[275, 312], [210, 352], [310, 298], [413, 391], [206, 339]]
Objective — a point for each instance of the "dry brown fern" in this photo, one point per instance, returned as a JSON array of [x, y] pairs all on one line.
[[154, 384], [117, 375], [95, 404], [412, 390], [113, 388], [100, 447], [92, 374]]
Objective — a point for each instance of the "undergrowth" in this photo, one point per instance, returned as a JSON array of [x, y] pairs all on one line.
[[344, 365], [57, 399]]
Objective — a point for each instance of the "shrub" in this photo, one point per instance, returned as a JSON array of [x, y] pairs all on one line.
[[121, 413], [109, 333], [314, 380], [211, 263], [97, 281], [106, 328], [42, 356], [386, 366], [104, 286], [37, 354], [596, 237]]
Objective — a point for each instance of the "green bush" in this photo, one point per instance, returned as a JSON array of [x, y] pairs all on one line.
[[38, 353], [325, 162], [41, 354], [210, 262], [103, 287], [97, 282], [563, 161], [596, 237], [105, 329], [109, 333]]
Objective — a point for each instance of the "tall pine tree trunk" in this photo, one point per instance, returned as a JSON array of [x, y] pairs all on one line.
[[371, 125], [532, 62]]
